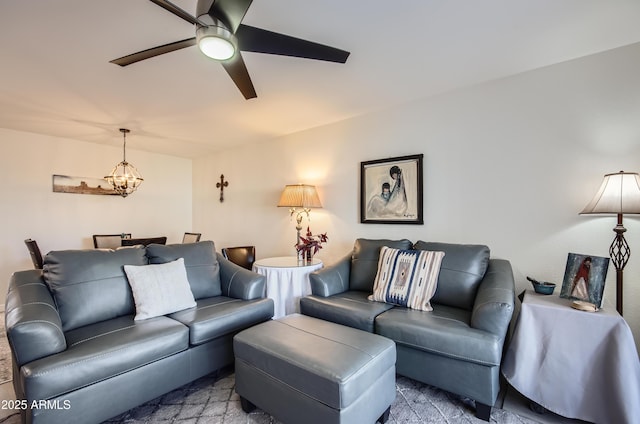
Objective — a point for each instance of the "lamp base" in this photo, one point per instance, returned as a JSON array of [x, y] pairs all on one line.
[[619, 252]]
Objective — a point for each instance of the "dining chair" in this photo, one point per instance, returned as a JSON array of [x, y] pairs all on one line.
[[109, 241], [191, 237], [143, 241], [34, 251], [244, 256]]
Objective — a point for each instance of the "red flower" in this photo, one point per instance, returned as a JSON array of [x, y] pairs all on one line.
[[311, 242]]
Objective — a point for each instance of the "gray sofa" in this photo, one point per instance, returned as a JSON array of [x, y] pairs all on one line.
[[79, 354], [458, 346]]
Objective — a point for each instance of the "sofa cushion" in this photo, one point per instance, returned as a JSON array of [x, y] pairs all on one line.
[[159, 289], [461, 272], [203, 270], [351, 308], [407, 277], [90, 285], [445, 331], [218, 316], [364, 261], [103, 350]]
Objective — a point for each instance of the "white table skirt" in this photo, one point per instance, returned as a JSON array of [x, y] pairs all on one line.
[[287, 282], [577, 364]]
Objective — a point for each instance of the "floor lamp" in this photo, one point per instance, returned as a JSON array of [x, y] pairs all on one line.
[[619, 194], [299, 198]]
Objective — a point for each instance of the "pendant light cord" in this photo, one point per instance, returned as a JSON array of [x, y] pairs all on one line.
[[124, 132]]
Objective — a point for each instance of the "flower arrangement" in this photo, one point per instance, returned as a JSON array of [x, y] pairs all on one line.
[[310, 244]]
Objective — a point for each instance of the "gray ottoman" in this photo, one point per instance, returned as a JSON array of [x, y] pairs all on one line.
[[303, 369]]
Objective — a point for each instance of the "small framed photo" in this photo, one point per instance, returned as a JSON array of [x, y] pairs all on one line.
[[584, 278], [391, 191]]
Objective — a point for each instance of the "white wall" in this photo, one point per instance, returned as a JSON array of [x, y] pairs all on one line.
[[508, 163], [162, 206]]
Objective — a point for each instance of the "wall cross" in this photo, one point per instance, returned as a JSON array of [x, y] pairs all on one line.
[[221, 185]]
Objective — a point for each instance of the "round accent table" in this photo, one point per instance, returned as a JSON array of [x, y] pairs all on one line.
[[287, 281]]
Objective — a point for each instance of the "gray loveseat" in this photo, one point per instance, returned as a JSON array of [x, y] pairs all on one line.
[[78, 353], [458, 346]]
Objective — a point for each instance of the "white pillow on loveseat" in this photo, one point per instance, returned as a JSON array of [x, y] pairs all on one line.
[[159, 289]]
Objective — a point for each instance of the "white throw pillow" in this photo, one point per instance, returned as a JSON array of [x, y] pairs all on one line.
[[407, 277], [159, 289]]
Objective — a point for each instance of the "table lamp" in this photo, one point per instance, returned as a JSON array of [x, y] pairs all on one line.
[[299, 198], [619, 194]]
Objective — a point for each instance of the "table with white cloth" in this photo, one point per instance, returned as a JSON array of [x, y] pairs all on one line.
[[287, 281], [577, 364]]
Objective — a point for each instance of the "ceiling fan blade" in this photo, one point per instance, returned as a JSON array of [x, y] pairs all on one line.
[[167, 5], [230, 12], [155, 51], [259, 40], [237, 70]]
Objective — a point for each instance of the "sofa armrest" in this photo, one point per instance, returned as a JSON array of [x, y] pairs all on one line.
[[239, 282], [33, 325], [332, 279], [494, 304]]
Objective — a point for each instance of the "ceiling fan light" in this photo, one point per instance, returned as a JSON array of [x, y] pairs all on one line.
[[216, 42], [216, 48]]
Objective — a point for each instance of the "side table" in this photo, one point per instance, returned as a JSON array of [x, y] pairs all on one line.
[[577, 364], [287, 281]]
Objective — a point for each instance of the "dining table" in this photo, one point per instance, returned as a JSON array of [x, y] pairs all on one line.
[[145, 241]]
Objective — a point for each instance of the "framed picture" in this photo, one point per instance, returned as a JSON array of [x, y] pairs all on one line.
[[82, 185], [584, 278], [391, 191]]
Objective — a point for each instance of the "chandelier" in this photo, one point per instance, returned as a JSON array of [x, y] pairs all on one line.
[[124, 178]]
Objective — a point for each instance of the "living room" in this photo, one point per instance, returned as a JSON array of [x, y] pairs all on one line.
[[508, 162]]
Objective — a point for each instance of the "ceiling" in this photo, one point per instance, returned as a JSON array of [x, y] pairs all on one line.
[[56, 79]]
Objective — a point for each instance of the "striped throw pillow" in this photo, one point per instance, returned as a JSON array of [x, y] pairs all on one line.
[[407, 277]]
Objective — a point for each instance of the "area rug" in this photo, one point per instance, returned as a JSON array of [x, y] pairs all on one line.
[[5, 353], [214, 401]]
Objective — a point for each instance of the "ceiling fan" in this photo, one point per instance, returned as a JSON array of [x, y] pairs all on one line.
[[221, 35]]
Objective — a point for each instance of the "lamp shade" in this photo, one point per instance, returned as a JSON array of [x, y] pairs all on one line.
[[299, 196], [619, 194]]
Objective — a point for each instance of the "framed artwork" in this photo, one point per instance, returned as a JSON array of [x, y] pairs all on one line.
[[391, 191], [584, 278], [82, 185]]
